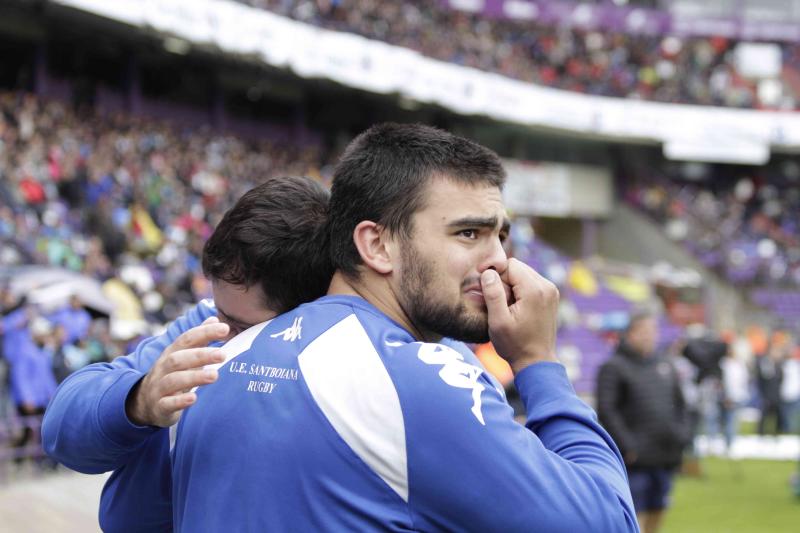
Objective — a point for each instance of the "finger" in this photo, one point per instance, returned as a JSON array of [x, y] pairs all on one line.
[[495, 296], [211, 320], [189, 359], [201, 335], [507, 289], [525, 281], [518, 274], [185, 380], [172, 404]]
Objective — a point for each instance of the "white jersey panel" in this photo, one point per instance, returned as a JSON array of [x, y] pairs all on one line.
[[353, 389], [239, 344], [236, 346]]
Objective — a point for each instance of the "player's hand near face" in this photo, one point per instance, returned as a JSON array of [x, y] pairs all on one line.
[[524, 331], [159, 398]]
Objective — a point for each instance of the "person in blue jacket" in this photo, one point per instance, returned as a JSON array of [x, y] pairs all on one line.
[[74, 318], [267, 255], [31, 375], [348, 414]]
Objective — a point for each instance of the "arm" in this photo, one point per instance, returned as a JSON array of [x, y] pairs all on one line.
[[609, 390], [559, 472], [86, 426], [681, 425]]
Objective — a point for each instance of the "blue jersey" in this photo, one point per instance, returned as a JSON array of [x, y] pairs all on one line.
[[86, 429], [331, 417]]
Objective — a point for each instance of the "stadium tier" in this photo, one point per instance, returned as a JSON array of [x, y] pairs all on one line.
[[588, 55]]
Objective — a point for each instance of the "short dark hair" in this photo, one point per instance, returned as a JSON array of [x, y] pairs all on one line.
[[382, 177], [275, 236]]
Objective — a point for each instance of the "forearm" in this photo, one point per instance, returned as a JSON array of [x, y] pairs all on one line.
[[561, 473], [86, 427], [586, 458]]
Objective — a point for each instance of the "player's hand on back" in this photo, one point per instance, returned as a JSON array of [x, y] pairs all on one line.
[[159, 398], [524, 331]]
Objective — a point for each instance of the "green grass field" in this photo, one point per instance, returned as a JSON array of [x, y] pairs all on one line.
[[735, 496]]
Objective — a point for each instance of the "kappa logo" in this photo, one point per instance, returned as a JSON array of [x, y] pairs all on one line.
[[293, 332], [455, 372]]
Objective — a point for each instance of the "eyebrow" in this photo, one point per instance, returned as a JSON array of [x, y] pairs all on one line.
[[480, 222]]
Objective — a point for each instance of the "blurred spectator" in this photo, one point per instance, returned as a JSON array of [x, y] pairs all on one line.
[[74, 319], [790, 393], [769, 378], [639, 401], [735, 393], [32, 381], [12, 318], [706, 353], [687, 374], [711, 394]]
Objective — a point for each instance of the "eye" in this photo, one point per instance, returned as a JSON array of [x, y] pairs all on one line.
[[468, 233]]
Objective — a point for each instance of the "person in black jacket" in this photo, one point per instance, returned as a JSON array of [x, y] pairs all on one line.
[[639, 402]]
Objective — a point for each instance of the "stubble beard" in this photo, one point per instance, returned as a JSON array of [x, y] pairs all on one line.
[[417, 285]]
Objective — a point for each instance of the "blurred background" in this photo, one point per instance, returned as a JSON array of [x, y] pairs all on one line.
[[651, 148]]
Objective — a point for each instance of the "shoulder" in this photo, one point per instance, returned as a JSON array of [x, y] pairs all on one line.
[[435, 383], [613, 363]]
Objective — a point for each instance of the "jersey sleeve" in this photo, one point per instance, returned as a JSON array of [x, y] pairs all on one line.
[[472, 467], [85, 426]]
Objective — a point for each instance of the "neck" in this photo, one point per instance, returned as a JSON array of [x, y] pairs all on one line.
[[376, 289]]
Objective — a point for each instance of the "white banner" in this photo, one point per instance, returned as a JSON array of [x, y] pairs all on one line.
[[381, 68], [557, 190]]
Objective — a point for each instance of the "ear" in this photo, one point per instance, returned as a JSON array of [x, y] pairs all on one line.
[[372, 244]]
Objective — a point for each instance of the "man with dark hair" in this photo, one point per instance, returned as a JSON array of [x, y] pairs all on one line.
[[347, 414], [639, 401], [267, 255], [274, 238]]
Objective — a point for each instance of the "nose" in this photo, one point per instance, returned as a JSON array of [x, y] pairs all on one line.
[[496, 258]]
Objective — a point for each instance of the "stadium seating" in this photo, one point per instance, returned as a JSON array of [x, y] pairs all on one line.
[[665, 68]]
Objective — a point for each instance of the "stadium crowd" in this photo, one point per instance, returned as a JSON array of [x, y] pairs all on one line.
[[663, 68], [95, 193], [112, 198], [743, 226]]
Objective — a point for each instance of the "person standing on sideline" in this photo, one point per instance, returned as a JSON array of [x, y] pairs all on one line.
[[735, 392], [790, 390], [639, 402], [348, 414], [769, 378], [31, 377]]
